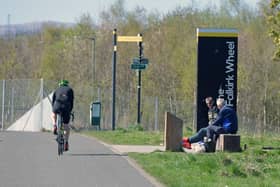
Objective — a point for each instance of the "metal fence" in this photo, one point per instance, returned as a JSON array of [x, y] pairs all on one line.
[[18, 96]]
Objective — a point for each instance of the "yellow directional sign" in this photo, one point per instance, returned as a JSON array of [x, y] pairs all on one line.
[[129, 38]]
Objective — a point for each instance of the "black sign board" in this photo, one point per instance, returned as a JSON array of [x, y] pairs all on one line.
[[216, 69]]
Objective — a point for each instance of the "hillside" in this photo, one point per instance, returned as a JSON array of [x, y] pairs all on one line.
[[29, 28]]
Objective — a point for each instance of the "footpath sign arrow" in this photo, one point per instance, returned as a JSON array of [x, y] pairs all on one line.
[[129, 39], [143, 61], [138, 66]]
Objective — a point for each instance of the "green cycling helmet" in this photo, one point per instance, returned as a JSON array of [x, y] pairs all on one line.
[[63, 83]]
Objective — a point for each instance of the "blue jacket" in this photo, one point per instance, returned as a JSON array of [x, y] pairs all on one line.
[[227, 118]]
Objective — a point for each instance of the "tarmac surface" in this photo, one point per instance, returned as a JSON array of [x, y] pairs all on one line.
[[29, 159], [124, 149]]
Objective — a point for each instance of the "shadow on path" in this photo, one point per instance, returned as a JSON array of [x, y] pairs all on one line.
[[97, 154]]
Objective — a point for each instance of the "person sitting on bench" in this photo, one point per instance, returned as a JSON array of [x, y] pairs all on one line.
[[225, 123], [212, 109]]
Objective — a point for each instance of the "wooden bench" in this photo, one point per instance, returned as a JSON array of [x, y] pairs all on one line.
[[228, 142]]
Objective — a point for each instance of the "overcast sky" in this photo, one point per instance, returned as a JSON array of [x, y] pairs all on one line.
[[24, 11]]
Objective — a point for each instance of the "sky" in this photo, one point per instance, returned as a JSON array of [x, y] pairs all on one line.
[[26, 11]]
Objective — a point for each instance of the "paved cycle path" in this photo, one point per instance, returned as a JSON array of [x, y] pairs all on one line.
[[29, 159]]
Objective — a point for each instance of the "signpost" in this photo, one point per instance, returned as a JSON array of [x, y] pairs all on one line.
[[143, 61], [138, 64], [129, 38]]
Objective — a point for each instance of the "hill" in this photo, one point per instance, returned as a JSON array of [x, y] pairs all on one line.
[[13, 30]]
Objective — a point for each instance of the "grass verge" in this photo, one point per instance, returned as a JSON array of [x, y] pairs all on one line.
[[251, 167], [128, 137]]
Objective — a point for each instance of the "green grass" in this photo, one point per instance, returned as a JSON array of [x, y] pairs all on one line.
[[128, 137], [251, 167], [212, 169]]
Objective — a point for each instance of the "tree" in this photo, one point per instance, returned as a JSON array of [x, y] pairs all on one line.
[[273, 17]]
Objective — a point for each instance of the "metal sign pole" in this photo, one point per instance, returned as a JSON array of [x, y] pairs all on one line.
[[139, 82], [114, 77]]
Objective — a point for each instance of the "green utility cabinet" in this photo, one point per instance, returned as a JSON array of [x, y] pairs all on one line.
[[95, 114]]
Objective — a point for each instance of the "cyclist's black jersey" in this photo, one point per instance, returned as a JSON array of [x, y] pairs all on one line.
[[64, 97], [62, 102]]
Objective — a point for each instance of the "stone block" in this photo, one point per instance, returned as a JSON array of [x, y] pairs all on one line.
[[173, 132], [228, 142]]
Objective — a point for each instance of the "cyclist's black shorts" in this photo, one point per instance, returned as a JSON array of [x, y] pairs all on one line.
[[64, 110]]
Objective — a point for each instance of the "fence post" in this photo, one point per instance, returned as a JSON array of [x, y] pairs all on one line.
[[12, 103], [3, 104], [156, 113], [41, 101]]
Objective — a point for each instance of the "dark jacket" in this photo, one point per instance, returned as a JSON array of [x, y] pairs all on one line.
[[212, 114], [227, 118], [64, 95]]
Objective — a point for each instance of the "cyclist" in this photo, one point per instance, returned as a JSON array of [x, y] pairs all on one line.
[[62, 102]]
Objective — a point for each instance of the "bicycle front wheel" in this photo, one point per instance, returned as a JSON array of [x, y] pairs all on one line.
[[60, 144]]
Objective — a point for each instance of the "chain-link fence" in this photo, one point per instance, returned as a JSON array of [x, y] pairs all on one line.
[[152, 110], [19, 96]]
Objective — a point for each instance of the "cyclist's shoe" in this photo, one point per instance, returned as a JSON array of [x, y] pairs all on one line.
[[55, 130], [66, 146]]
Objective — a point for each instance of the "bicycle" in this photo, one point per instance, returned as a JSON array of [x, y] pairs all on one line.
[[60, 134]]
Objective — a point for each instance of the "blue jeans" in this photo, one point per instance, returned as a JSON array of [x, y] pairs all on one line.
[[208, 131]]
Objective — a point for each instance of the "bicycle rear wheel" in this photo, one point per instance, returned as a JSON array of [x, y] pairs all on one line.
[[60, 136]]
